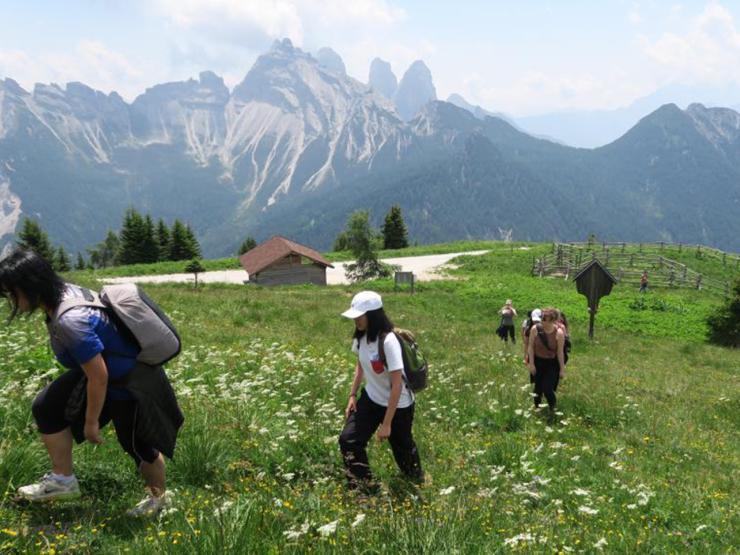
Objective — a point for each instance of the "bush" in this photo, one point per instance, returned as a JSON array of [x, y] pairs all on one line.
[[724, 324]]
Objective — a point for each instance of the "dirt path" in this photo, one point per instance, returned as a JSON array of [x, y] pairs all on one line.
[[426, 268]]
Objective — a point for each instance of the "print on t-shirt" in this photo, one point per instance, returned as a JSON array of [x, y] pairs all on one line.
[[376, 363]]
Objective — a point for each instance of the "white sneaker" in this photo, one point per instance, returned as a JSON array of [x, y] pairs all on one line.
[[151, 505], [50, 488]]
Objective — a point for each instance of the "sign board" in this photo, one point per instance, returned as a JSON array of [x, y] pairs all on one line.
[[404, 277], [594, 281]]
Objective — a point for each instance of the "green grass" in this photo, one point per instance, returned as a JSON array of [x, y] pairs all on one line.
[[645, 455]]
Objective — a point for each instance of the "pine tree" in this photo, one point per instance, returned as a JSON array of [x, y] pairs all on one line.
[[395, 234], [133, 235], [195, 268], [80, 265], [34, 238], [163, 240], [179, 248], [192, 242], [248, 244], [149, 247], [105, 253], [61, 261]]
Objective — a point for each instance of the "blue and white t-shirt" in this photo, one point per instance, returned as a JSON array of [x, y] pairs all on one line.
[[377, 376], [83, 333]]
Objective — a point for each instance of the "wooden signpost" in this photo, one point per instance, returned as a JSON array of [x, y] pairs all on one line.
[[594, 281]]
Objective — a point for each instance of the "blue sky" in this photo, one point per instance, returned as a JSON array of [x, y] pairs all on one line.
[[520, 57]]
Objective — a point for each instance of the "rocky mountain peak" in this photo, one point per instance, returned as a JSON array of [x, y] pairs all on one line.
[[415, 90], [382, 78]]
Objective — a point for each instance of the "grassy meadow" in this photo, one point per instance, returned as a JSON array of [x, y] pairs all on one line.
[[643, 458]]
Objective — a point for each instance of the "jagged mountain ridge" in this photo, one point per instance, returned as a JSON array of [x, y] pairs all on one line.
[[297, 145]]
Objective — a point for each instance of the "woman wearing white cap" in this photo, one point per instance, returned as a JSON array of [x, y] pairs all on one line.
[[385, 403]]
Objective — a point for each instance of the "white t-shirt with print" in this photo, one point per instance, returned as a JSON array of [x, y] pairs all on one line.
[[377, 376]]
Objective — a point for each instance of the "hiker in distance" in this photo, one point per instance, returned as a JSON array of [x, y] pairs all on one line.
[[644, 282], [103, 382], [506, 328], [546, 358], [386, 403]]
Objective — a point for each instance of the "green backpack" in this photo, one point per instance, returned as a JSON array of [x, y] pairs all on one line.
[[415, 367]]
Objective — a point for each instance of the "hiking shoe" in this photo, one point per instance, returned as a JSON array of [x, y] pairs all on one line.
[[150, 506], [48, 488]]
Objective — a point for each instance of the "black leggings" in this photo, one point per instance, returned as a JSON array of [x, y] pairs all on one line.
[[509, 332], [49, 406], [546, 379], [358, 431]]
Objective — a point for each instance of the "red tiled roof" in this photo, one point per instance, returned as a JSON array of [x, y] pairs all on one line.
[[274, 249]]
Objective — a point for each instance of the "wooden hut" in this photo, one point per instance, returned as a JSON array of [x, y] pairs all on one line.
[[280, 261]]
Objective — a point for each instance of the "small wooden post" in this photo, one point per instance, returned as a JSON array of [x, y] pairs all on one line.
[[632, 260], [671, 278], [624, 245], [607, 256], [724, 259], [679, 247], [640, 248], [698, 281], [662, 244]]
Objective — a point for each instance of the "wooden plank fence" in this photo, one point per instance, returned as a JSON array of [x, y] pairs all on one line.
[[566, 259]]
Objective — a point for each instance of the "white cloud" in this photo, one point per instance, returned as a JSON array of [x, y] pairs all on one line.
[[226, 36], [250, 24], [91, 62], [709, 51]]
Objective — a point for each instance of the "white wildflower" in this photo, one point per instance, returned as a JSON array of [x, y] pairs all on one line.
[[587, 510], [328, 529], [358, 520], [600, 544], [447, 491]]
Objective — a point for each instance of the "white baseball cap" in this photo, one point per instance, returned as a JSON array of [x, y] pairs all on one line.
[[537, 315], [362, 302]]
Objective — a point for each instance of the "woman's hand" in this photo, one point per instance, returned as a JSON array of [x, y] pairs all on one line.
[[384, 432], [562, 373], [92, 433], [351, 406], [532, 369]]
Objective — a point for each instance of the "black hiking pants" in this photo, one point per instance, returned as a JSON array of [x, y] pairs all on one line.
[[359, 430], [546, 379], [49, 412]]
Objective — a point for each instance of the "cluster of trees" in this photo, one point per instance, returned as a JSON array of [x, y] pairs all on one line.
[[140, 241], [33, 237], [363, 241], [393, 233]]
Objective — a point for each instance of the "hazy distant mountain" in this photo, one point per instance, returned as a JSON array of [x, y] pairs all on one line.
[[415, 90], [382, 78], [297, 145], [584, 128]]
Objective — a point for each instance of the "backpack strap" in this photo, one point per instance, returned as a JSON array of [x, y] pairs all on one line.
[[381, 353], [543, 338], [89, 298]]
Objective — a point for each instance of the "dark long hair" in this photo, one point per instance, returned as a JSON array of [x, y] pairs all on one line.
[[24, 270], [377, 323]]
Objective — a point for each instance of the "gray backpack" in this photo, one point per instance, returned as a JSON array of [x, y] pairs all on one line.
[[136, 316]]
